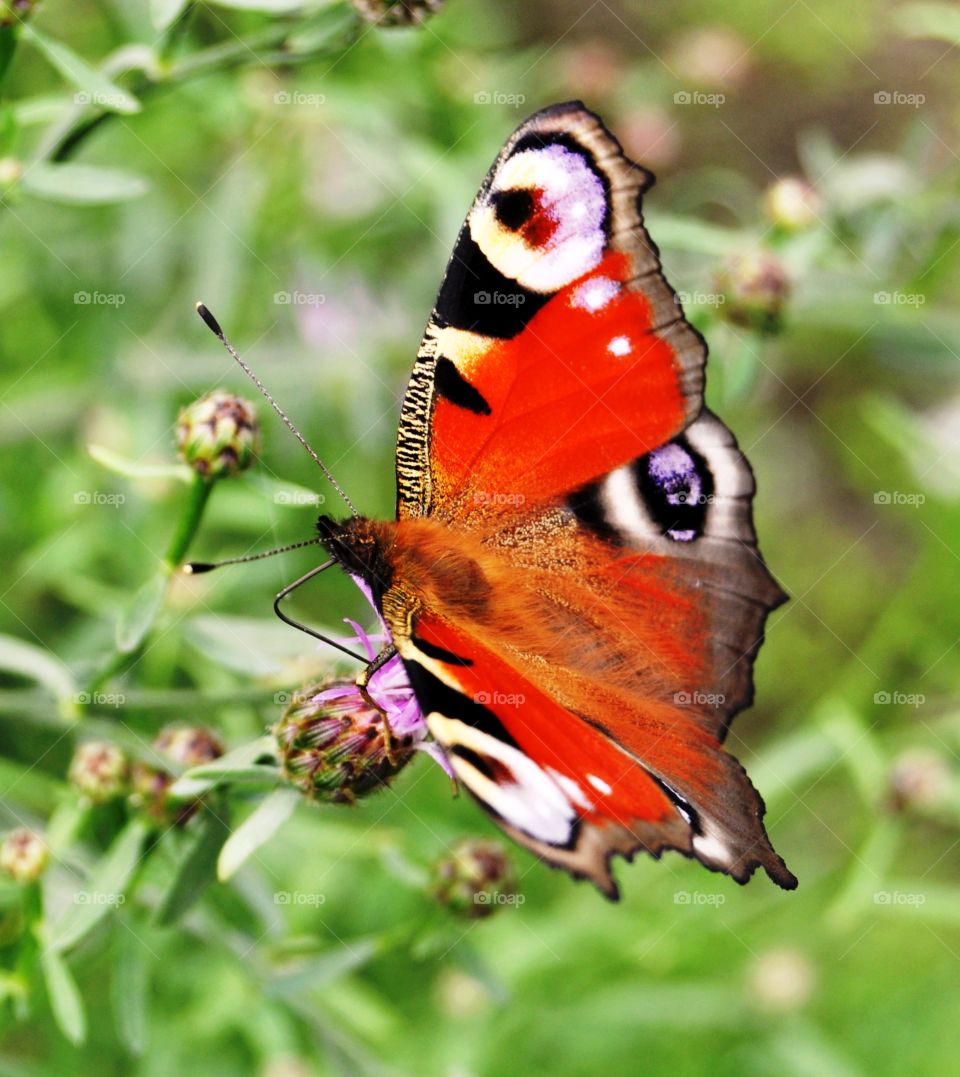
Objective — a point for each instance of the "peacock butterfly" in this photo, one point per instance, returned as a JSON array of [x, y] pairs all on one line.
[[572, 582]]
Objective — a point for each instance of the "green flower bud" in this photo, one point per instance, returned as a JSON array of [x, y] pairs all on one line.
[[186, 746], [396, 12], [792, 204], [24, 855], [335, 746], [100, 771], [475, 878], [218, 434], [755, 288]]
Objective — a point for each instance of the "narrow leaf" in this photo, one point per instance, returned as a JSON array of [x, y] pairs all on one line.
[[105, 888], [129, 991], [82, 185], [93, 86], [65, 999], [257, 829], [137, 620], [197, 869], [132, 469], [164, 13], [28, 660], [235, 766]]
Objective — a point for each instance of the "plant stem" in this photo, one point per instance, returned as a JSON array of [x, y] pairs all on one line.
[[189, 522]]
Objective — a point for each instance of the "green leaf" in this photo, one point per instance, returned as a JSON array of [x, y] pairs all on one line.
[[65, 823], [132, 469], [82, 185], [65, 1000], [937, 20], [28, 660], [137, 620], [255, 646], [198, 868], [93, 86], [164, 13], [239, 766], [329, 966], [105, 889], [128, 990], [257, 829], [272, 7]]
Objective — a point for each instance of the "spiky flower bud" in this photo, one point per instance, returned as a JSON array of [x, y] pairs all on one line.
[[335, 746], [24, 855], [396, 12], [920, 779], [185, 746], [475, 877], [218, 434], [755, 287], [100, 771], [791, 204], [15, 11]]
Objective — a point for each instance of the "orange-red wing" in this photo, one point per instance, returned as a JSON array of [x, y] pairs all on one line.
[[556, 351], [560, 784]]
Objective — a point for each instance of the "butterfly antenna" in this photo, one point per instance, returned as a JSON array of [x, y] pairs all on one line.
[[196, 568], [214, 326]]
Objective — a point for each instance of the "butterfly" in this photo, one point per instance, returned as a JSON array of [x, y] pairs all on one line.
[[572, 580]]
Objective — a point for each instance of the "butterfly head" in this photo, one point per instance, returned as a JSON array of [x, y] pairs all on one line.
[[358, 545]]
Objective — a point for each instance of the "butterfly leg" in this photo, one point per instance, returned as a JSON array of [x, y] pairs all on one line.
[[363, 681]]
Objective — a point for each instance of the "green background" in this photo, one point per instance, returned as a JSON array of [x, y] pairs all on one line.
[[300, 151]]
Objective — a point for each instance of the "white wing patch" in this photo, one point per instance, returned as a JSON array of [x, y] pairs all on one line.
[[532, 801]]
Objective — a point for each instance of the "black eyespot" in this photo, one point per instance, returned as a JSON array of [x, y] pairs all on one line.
[[513, 208]]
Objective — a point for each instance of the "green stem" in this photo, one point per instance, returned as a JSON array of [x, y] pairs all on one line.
[[8, 46], [189, 522], [179, 544]]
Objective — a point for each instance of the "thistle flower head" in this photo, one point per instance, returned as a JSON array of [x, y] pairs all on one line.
[[396, 12], [474, 878], [218, 434], [24, 855], [99, 770], [185, 747], [755, 287], [338, 743]]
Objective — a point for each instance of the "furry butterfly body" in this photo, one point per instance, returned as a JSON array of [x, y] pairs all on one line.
[[572, 580]]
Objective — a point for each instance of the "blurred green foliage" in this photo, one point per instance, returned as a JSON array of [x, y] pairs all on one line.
[[305, 173]]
